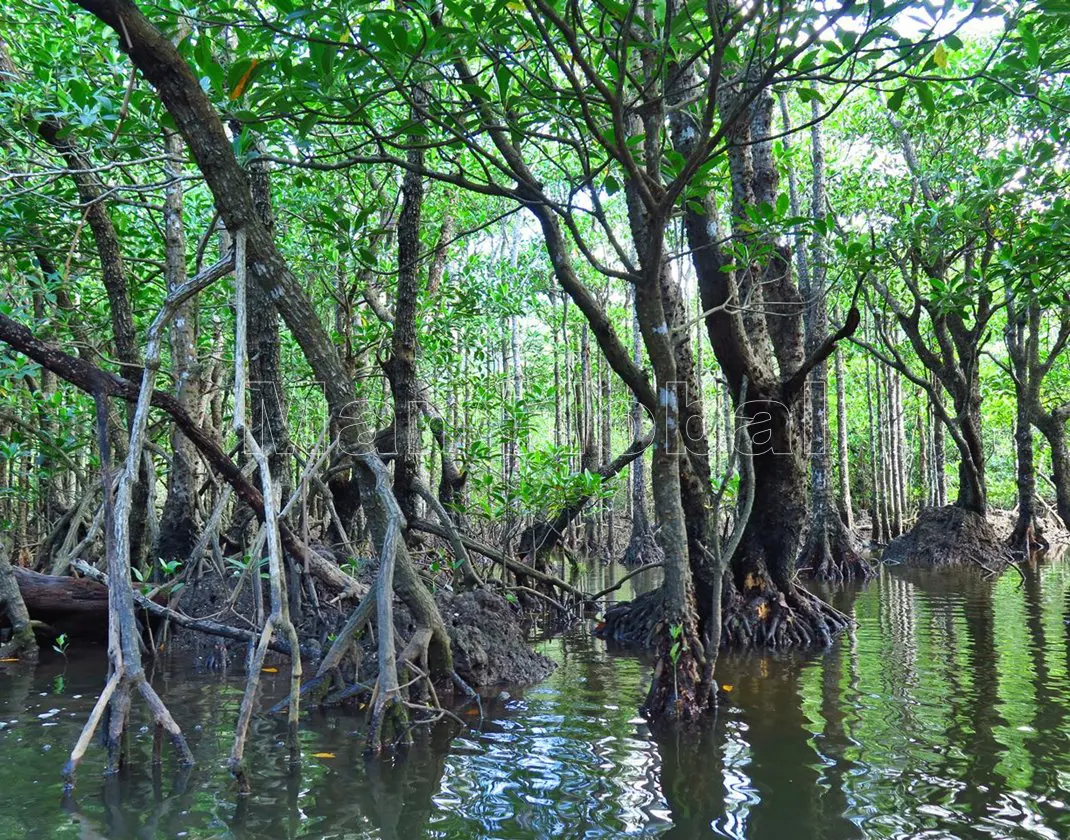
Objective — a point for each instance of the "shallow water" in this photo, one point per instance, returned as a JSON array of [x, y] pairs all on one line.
[[945, 714]]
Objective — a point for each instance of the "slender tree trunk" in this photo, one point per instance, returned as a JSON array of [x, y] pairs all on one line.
[[401, 368], [939, 458], [1053, 426], [841, 443], [828, 554], [924, 457], [639, 542], [267, 390], [178, 525], [876, 520], [894, 459], [606, 456]]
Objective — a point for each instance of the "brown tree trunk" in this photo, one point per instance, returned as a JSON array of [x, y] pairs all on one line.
[[828, 553], [197, 120], [22, 643], [267, 390], [1053, 426], [843, 455], [401, 367], [178, 522]]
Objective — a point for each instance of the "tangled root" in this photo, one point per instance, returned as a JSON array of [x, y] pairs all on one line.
[[768, 618], [831, 557], [633, 623]]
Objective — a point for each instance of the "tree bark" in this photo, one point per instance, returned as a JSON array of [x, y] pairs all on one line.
[[178, 522], [22, 643], [401, 367], [828, 553], [841, 443]]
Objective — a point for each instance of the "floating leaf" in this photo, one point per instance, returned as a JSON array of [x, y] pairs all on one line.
[[727, 687], [324, 755], [10, 659], [270, 670]]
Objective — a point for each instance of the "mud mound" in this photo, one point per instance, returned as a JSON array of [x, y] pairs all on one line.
[[948, 536], [488, 645], [642, 548]]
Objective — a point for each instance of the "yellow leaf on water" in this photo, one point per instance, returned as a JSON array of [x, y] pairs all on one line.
[[727, 687], [763, 611], [323, 755], [270, 670], [12, 659]]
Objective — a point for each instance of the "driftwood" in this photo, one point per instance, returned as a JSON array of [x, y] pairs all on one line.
[[75, 606]]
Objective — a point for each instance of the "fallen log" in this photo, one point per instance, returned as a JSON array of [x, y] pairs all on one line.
[[75, 606]]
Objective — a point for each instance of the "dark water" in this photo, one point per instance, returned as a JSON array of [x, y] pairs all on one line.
[[945, 715]]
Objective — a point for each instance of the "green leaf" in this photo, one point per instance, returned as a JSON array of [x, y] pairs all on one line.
[[925, 97], [1031, 45], [895, 101]]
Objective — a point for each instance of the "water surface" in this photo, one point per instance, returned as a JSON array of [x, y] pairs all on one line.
[[945, 714]]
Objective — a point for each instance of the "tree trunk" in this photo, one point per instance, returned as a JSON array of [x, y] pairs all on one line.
[[178, 523], [641, 546], [401, 367], [828, 554], [939, 458], [267, 390], [841, 444], [22, 643], [1053, 426], [198, 122]]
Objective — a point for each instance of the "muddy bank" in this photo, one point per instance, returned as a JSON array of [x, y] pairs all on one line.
[[488, 643], [487, 634]]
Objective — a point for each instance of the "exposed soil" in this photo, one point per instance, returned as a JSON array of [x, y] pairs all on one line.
[[488, 645], [948, 536], [485, 630]]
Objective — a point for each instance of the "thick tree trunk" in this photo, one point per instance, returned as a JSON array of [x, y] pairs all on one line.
[[759, 347]]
